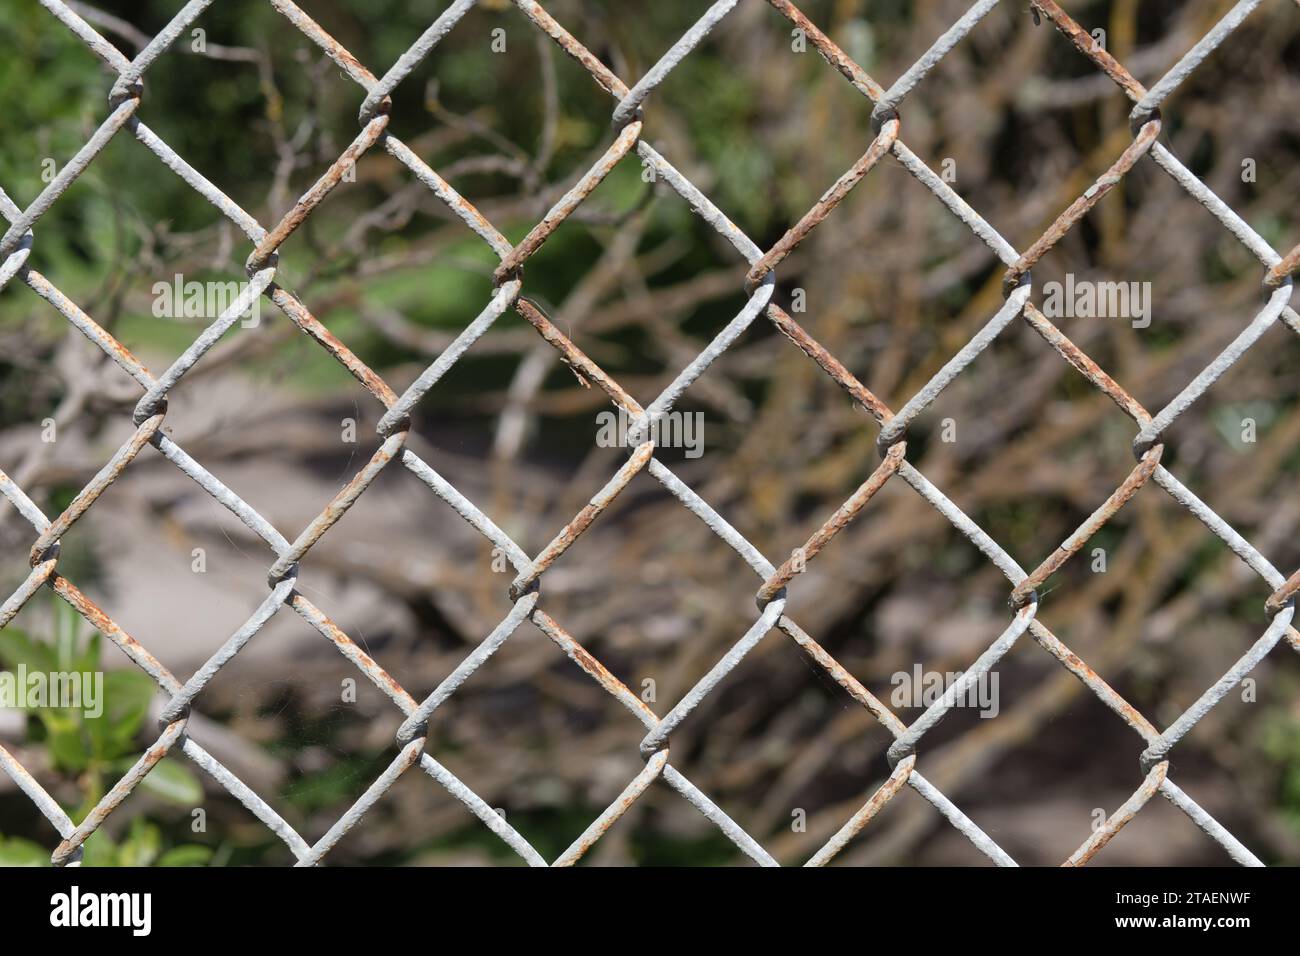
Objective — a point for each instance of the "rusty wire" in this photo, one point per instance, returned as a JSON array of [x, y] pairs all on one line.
[[758, 281]]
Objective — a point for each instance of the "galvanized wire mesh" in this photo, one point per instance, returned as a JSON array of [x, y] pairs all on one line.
[[526, 591]]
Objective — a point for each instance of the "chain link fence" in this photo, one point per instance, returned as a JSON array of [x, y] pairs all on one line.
[[527, 592]]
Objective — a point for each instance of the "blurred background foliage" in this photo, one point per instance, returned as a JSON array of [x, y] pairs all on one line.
[[894, 287]]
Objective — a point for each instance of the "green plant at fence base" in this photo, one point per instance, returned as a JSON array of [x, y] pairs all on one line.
[[91, 748]]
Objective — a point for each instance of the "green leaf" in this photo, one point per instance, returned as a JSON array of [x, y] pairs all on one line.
[[190, 854], [16, 851], [126, 705], [66, 626], [99, 850], [142, 845], [18, 649], [64, 740], [88, 660], [172, 781]]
